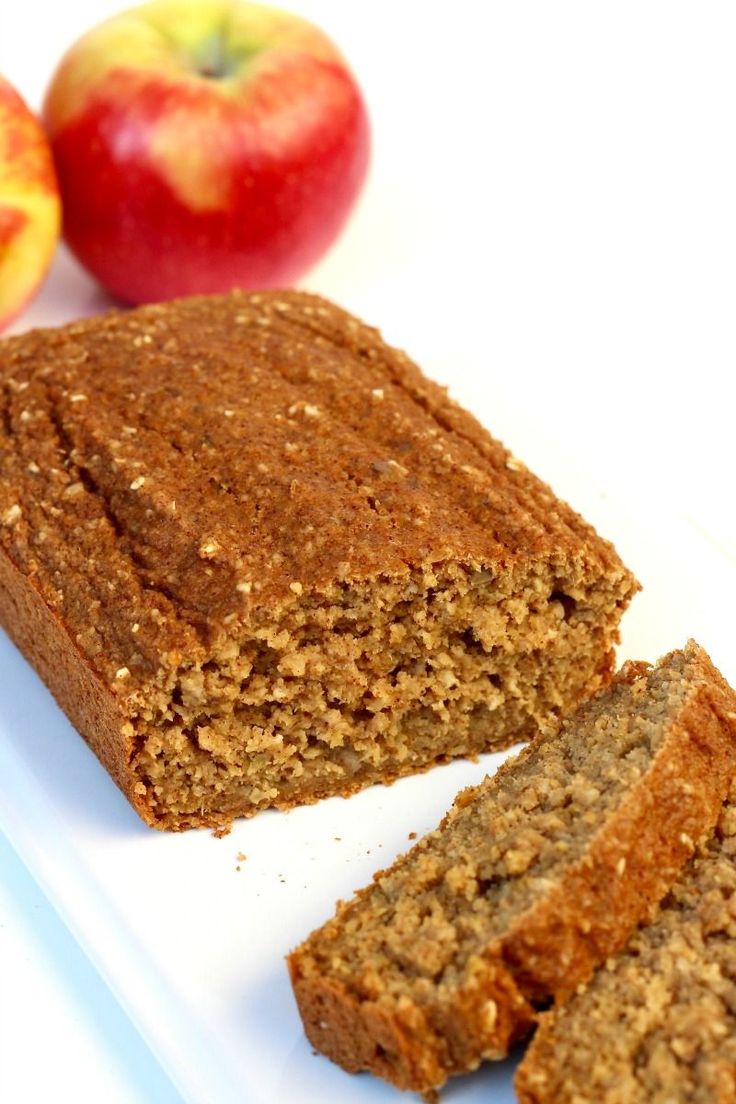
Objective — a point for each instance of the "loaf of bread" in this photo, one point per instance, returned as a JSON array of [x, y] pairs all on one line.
[[259, 558], [657, 1023], [532, 879]]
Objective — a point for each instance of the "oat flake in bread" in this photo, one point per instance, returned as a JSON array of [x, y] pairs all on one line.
[[259, 558], [533, 879]]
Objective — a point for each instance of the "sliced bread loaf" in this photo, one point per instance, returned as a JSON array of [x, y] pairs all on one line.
[[657, 1023], [532, 879]]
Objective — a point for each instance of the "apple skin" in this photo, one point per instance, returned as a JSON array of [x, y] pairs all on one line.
[[203, 145], [30, 211]]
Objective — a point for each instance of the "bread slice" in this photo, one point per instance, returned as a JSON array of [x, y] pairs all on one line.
[[531, 880], [259, 558], [657, 1023]]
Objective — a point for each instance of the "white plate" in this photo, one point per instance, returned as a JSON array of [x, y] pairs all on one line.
[[557, 242], [193, 947]]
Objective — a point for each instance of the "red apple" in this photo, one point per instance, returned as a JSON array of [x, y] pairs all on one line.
[[29, 204], [203, 145]]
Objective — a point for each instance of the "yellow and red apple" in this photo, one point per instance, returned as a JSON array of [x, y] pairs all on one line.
[[29, 204], [202, 145]]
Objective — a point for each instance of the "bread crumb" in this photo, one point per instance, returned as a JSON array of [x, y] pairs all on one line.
[[515, 465], [490, 1015], [305, 408], [209, 548], [12, 514]]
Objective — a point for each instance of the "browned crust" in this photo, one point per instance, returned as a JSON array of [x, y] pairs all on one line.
[[557, 943], [636, 857], [87, 702], [406, 1045]]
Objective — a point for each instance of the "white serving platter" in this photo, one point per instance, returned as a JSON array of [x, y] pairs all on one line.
[[192, 939], [557, 243]]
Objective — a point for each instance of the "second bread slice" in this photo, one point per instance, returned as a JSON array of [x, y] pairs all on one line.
[[657, 1024], [532, 879]]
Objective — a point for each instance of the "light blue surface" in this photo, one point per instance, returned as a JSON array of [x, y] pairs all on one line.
[[109, 1029]]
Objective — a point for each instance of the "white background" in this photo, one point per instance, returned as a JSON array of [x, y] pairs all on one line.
[[550, 220]]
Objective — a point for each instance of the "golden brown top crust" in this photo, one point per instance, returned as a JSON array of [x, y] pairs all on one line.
[[182, 464]]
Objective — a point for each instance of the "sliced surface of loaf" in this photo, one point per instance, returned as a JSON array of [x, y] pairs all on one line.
[[532, 879], [657, 1023], [259, 558]]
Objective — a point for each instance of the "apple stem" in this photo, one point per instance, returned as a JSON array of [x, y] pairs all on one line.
[[214, 62]]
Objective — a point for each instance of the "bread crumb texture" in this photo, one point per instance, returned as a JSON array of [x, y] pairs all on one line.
[[277, 562], [533, 879], [657, 1025]]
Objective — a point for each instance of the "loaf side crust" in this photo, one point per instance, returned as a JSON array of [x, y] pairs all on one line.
[[91, 707]]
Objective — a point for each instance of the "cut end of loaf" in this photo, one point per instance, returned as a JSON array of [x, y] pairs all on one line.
[[370, 681]]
